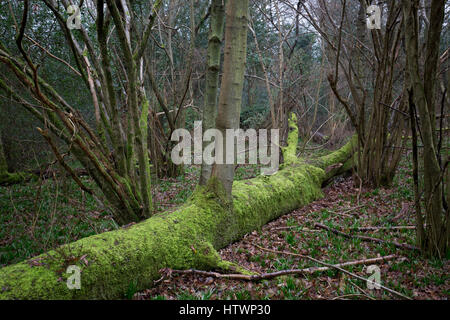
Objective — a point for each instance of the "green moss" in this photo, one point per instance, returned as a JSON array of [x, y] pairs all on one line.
[[186, 238], [290, 151], [183, 239], [266, 198], [143, 124], [115, 259], [339, 156], [3, 166], [234, 268]]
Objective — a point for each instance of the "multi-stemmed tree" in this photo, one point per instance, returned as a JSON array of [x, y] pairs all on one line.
[[115, 153]]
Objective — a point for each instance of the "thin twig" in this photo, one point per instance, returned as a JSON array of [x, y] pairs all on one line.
[[362, 290], [364, 238], [384, 228], [293, 228]]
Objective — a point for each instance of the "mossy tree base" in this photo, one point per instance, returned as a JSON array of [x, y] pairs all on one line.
[[7, 178], [188, 238]]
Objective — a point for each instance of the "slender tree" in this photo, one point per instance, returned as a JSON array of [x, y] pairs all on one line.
[[7, 177], [230, 98], [216, 29]]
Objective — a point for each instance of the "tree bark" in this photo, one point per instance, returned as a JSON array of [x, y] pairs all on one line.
[[3, 164], [216, 27], [186, 238]]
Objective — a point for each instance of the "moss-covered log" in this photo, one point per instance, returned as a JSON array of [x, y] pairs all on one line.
[[114, 261]]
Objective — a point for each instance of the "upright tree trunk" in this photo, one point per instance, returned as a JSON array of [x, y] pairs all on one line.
[[230, 99], [216, 27], [435, 241]]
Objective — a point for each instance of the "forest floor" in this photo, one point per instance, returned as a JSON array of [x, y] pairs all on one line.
[[409, 274], [38, 216]]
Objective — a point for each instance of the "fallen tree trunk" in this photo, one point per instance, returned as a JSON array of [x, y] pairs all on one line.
[[187, 238], [7, 178]]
